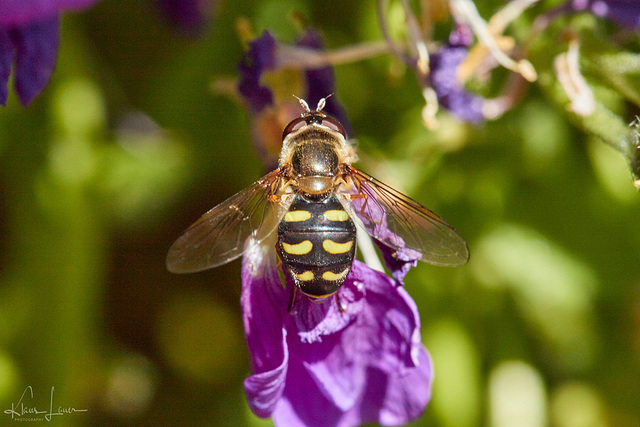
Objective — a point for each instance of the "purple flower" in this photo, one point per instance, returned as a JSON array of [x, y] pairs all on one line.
[[444, 80], [29, 37], [399, 262], [189, 17], [265, 54], [260, 57], [320, 366], [624, 12]]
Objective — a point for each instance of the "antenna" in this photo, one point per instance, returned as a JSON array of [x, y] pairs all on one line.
[[321, 104], [304, 104]]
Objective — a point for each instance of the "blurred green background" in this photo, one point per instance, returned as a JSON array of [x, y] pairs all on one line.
[[130, 144]]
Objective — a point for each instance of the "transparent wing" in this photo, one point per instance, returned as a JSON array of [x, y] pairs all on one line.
[[219, 235], [401, 223]]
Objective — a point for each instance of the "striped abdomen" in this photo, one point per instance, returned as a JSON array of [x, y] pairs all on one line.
[[317, 244]]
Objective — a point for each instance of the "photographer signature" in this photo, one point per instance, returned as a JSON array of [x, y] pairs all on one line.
[[19, 410]]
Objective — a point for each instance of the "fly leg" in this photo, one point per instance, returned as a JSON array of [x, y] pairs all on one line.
[[340, 306], [292, 299], [359, 196]]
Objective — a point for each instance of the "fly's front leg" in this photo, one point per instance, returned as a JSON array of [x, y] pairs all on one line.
[[343, 180], [292, 299], [340, 306], [358, 196]]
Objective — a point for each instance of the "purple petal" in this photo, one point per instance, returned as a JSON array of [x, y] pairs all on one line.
[[386, 399], [338, 373], [260, 57], [451, 94], [6, 59], [318, 333], [302, 404], [461, 35], [36, 53], [319, 365], [265, 389], [31, 29], [267, 118], [188, 16], [360, 372], [389, 323], [399, 262], [312, 320], [22, 12], [374, 217], [264, 302], [405, 395], [624, 12]]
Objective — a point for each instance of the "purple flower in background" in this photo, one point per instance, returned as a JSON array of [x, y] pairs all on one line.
[[444, 80], [260, 57], [318, 366], [624, 12], [265, 54], [189, 17], [29, 37], [268, 118]]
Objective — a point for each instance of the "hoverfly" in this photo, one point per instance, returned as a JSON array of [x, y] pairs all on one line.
[[314, 199]]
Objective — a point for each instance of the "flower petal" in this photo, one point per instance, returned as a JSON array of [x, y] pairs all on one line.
[[451, 94], [394, 399], [302, 405], [389, 325], [399, 262], [21, 12], [36, 53], [313, 320], [369, 359], [337, 371], [400, 397], [264, 302], [624, 12], [188, 16], [265, 389], [260, 57], [6, 59]]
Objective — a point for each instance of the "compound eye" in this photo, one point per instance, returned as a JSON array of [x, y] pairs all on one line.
[[335, 125], [293, 126]]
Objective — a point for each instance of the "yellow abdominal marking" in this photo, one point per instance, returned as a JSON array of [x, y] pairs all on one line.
[[305, 277], [297, 216], [336, 248], [336, 215], [299, 249], [331, 276]]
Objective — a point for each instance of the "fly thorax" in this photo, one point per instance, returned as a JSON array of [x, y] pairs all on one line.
[[315, 166]]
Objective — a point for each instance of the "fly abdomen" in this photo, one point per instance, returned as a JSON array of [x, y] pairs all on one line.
[[317, 243]]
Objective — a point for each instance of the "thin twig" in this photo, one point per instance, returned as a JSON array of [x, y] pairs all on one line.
[[302, 57]]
